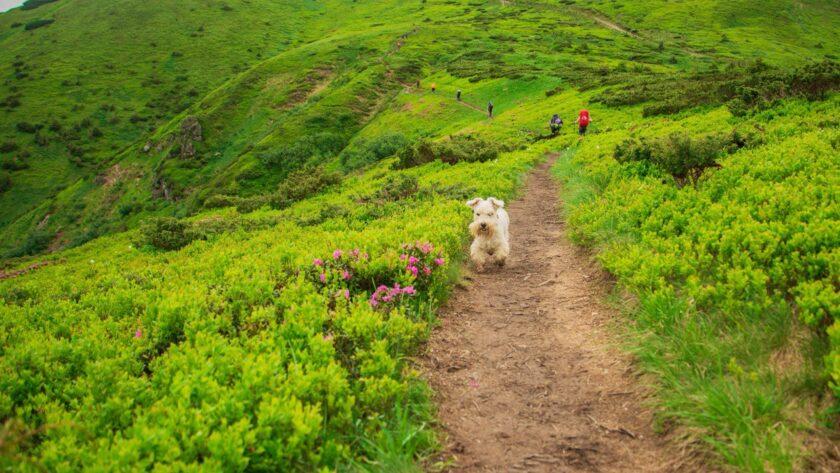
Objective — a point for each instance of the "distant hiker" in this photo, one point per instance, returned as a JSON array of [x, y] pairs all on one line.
[[555, 123], [583, 120], [490, 109], [434, 86], [458, 95]]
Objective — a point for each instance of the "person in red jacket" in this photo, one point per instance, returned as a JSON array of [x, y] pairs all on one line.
[[583, 120]]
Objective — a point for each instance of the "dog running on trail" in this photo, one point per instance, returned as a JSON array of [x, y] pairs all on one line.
[[489, 228]]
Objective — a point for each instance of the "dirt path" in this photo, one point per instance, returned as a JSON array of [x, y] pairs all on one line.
[[524, 374]]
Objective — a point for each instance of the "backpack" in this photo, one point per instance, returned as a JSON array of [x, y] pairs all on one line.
[[583, 118]]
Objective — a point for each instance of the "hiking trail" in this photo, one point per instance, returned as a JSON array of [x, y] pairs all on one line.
[[525, 375]]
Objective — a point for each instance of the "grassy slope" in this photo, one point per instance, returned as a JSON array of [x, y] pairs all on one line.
[[310, 73]]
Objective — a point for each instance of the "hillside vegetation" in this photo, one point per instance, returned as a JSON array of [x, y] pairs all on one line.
[[227, 225]]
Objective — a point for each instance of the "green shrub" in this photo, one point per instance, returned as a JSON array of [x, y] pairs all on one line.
[[8, 147], [369, 152], [166, 233], [5, 182], [36, 242], [301, 184], [680, 154], [14, 163], [33, 4], [458, 148], [32, 25], [398, 187], [26, 127]]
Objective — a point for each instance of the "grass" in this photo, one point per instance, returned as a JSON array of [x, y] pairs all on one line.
[[246, 361]]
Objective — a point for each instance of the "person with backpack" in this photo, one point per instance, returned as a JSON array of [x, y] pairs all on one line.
[[583, 120], [555, 123], [490, 109], [434, 87], [458, 95]]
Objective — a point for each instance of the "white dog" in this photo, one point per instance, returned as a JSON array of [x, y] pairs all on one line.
[[490, 232]]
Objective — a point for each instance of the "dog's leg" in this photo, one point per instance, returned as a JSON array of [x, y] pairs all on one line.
[[478, 257]]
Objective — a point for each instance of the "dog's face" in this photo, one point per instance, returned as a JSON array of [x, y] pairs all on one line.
[[485, 215]]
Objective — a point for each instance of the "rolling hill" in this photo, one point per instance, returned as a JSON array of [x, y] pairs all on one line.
[[173, 172]]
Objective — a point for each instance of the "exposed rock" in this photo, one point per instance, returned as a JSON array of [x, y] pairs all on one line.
[[184, 139], [160, 189]]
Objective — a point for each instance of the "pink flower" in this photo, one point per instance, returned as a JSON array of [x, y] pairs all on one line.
[[413, 260], [403, 257], [413, 270], [439, 261], [346, 275], [426, 248], [409, 290], [355, 252], [427, 270], [318, 262], [336, 254], [138, 333], [347, 294], [323, 277], [373, 301]]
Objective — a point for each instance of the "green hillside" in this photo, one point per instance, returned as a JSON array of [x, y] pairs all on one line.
[[184, 186]]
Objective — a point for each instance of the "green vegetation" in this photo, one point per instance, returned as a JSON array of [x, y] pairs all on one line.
[[736, 274], [224, 212]]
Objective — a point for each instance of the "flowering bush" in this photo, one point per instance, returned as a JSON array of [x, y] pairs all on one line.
[[345, 273], [421, 261]]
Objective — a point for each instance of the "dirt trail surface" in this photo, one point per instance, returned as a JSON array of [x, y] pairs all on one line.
[[525, 377]]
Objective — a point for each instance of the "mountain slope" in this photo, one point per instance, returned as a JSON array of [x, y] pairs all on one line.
[[174, 313]]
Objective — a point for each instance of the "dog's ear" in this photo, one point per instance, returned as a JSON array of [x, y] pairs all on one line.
[[474, 202], [497, 204]]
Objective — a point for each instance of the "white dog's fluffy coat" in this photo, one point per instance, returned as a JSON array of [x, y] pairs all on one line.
[[490, 232]]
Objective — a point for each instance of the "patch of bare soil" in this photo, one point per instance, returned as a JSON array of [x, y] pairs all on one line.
[[525, 375]]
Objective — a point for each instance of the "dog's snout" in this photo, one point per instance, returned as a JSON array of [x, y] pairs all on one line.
[[483, 225]]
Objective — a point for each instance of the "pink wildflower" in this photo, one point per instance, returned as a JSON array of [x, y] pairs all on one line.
[[413, 270], [355, 252], [138, 333], [347, 294], [440, 261], [409, 290], [427, 270], [346, 275], [426, 248], [323, 277], [336, 254], [318, 262], [413, 260], [403, 257]]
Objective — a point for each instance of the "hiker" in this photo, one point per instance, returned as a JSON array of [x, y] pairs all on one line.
[[583, 120], [490, 109], [434, 86], [458, 95], [555, 123]]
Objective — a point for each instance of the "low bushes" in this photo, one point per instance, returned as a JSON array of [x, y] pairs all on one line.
[[370, 151], [297, 186], [458, 148], [35, 24], [682, 155], [744, 88]]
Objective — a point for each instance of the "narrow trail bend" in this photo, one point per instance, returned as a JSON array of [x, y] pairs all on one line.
[[524, 376]]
